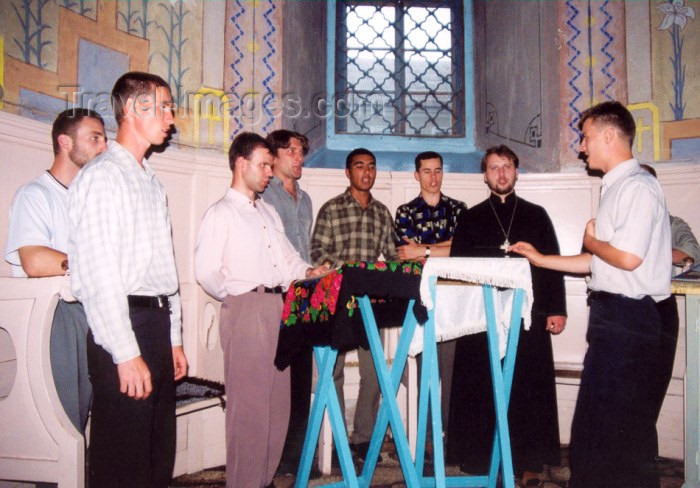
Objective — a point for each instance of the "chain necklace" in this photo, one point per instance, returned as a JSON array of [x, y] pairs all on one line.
[[506, 243]]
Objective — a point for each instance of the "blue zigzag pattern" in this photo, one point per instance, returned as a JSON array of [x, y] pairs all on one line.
[[604, 50], [271, 72], [238, 78], [571, 43]]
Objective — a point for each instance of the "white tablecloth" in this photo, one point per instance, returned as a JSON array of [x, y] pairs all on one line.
[[460, 309]]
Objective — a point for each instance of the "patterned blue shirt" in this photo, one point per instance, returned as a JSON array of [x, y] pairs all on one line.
[[426, 224]]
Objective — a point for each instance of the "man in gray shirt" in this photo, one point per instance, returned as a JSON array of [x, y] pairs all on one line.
[[294, 208]]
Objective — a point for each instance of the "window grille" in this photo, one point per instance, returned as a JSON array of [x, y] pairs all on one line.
[[399, 68]]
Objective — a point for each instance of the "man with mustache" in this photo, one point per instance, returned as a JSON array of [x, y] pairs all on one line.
[[486, 230]]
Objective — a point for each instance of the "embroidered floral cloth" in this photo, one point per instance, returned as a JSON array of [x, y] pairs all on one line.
[[323, 311]]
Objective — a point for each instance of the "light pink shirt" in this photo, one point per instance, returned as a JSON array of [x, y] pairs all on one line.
[[242, 245]]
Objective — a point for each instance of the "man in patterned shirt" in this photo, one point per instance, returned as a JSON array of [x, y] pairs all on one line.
[[355, 227], [122, 264], [424, 227]]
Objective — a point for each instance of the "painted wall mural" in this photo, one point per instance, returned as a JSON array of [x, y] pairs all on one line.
[[592, 62], [62, 53], [644, 54], [223, 59]]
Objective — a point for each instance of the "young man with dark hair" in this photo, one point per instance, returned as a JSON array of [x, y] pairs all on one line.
[[37, 243], [486, 230], [424, 228], [123, 271], [294, 208], [628, 255], [353, 226], [244, 259], [425, 225]]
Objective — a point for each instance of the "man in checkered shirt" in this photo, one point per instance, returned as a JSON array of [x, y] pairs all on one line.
[[120, 251], [355, 227]]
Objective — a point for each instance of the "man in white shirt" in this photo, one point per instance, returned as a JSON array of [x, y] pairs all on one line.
[[123, 271], [244, 258], [37, 242], [628, 254]]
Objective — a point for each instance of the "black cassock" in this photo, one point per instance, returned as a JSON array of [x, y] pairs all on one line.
[[532, 415]]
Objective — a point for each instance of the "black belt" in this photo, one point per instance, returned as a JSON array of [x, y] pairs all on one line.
[[593, 294], [160, 301], [264, 289]]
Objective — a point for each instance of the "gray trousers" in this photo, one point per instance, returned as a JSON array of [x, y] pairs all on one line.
[[258, 394], [69, 362], [367, 397]]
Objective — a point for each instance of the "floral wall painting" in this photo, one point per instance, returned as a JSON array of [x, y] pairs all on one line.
[[675, 37], [30, 30], [133, 18], [676, 16]]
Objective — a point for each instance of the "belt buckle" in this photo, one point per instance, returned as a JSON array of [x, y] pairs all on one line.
[[162, 301]]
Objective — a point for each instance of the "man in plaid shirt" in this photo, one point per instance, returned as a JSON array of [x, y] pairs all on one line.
[[355, 227]]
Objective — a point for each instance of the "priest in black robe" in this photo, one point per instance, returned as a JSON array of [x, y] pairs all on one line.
[[486, 230]]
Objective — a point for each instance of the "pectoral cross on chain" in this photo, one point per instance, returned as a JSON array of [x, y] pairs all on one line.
[[505, 247]]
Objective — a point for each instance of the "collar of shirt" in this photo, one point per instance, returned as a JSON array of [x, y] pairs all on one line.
[[124, 157], [618, 173], [496, 200], [351, 200], [274, 181], [420, 202], [240, 200]]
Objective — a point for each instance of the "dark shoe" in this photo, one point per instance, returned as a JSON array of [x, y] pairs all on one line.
[[359, 452]]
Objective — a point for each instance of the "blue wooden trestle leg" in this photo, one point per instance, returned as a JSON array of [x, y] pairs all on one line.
[[389, 384], [502, 377], [326, 397]]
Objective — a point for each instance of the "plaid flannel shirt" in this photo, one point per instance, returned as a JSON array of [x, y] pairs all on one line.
[[346, 232]]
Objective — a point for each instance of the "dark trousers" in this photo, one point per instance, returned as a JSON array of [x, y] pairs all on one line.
[[668, 310], [614, 413], [132, 442], [300, 371]]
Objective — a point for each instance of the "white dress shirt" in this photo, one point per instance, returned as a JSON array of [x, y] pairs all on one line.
[[632, 217], [120, 244], [242, 245]]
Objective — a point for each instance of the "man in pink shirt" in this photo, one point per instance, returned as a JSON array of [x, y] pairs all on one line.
[[244, 259]]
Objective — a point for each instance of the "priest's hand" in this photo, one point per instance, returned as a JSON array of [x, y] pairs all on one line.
[[528, 251], [556, 324], [410, 250]]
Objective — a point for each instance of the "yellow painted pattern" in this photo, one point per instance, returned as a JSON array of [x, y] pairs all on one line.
[[213, 112], [641, 128]]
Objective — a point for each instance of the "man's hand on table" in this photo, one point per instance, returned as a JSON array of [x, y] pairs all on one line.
[[318, 270]]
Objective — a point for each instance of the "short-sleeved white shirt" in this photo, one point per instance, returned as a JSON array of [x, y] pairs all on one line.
[[38, 217], [632, 217]]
